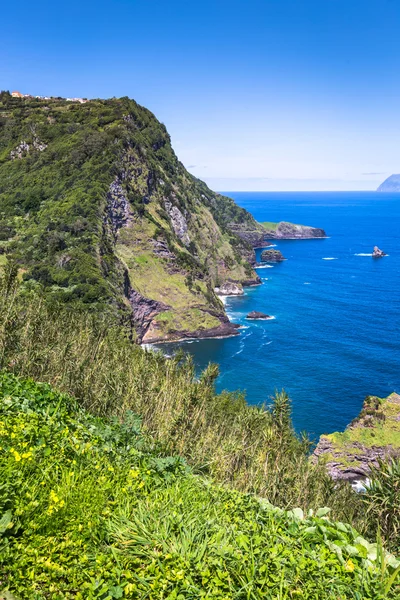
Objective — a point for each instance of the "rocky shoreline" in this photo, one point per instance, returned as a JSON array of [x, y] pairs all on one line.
[[146, 310], [373, 436]]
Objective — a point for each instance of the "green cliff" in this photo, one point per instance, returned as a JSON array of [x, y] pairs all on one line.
[[373, 436], [95, 206]]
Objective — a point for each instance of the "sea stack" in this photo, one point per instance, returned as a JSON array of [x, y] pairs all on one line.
[[378, 253], [256, 315], [272, 256]]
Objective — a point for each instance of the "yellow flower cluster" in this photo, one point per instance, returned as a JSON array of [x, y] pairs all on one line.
[[21, 456], [55, 503]]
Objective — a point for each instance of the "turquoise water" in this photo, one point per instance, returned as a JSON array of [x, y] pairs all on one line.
[[335, 337]]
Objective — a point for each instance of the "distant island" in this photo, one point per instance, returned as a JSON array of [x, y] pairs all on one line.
[[391, 184]]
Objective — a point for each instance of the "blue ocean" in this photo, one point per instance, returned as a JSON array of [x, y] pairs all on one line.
[[335, 336]]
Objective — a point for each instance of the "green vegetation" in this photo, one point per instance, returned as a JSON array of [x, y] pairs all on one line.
[[124, 474], [377, 424], [382, 499], [269, 225], [93, 200], [91, 508], [247, 447]]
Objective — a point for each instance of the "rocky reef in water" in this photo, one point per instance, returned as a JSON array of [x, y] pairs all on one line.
[[255, 315], [378, 253], [374, 435]]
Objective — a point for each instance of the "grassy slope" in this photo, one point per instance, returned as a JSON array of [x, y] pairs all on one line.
[[92, 509], [53, 205], [376, 426]]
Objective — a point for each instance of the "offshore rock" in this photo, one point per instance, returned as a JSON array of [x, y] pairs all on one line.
[[272, 256], [256, 315], [378, 253]]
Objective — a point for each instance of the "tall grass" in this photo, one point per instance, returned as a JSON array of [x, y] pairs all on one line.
[[253, 449]]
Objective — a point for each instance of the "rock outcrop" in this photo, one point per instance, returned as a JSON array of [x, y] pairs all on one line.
[[391, 184], [229, 288], [290, 231], [378, 253], [272, 256], [254, 235], [374, 435], [256, 315], [154, 334]]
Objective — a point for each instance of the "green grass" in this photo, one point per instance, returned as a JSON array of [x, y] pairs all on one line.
[[269, 225], [377, 425], [93, 508]]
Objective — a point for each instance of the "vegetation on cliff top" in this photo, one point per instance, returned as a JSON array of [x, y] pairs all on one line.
[[92, 508], [94, 203]]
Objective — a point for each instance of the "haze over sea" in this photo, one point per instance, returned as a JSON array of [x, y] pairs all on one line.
[[335, 337]]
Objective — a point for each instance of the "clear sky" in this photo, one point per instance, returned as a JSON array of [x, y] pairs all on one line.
[[256, 94]]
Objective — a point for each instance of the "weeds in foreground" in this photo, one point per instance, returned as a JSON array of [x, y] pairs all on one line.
[[91, 508], [250, 448]]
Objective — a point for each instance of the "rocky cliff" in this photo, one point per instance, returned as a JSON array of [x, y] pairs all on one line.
[[391, 184], [96, 207], [373, 435], [290, 231]]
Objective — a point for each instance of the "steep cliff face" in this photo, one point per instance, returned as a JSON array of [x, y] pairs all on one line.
[[97, 208], [373, 435]]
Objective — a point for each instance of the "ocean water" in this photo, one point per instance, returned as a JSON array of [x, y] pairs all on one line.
[[335, 336]]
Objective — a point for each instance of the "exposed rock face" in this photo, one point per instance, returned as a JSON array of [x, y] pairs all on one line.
[[144, 311], [252, 282], [118, 208], [224, 329], [290, 231], [178, 222], [374, 435], [254, 236], [255, 315], [391, 184], [377, 253], [272, 256], [24, 148], [230, 288]]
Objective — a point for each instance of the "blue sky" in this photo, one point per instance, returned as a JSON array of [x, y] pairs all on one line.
[[257, 95]]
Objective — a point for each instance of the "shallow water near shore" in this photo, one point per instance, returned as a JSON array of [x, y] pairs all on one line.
[[335, 337]]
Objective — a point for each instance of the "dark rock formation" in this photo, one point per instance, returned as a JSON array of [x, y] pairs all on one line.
[[391, 184], [224, 329], [230, 288], [144, 310], [254, 236], [377, 253], [290, 231], [255, 315], [251, 282], [369, 438], [119, 211], [272, 256]]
